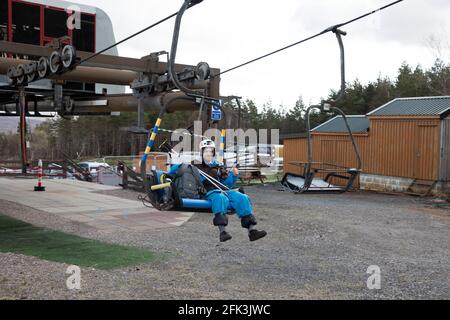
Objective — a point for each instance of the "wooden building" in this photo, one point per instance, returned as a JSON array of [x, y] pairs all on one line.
[[404, 145]]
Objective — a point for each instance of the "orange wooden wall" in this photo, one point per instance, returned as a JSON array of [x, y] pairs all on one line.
[[400, 147]]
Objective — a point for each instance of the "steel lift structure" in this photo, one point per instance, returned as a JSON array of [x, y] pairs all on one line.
[[155, 84]]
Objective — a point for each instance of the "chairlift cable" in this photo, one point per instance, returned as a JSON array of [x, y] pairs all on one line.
[[193, 3], [332, 29]]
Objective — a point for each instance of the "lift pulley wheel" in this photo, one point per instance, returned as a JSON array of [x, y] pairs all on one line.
[[11, 74], [68, 56], [68, 105], [42, 67], [30, 71], [55, 62], [20, 73], [202, 71]]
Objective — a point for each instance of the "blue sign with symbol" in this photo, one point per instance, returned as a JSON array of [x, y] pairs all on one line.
[[216, 112]]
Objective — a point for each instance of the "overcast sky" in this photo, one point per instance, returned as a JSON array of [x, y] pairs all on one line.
[[225, 33]]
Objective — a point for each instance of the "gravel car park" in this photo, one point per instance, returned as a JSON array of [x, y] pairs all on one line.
[[318, 247]]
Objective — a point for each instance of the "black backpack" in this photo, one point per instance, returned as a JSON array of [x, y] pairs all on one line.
[[187, 183]]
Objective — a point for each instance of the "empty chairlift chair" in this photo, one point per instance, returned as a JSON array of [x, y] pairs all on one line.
[[308, 181]]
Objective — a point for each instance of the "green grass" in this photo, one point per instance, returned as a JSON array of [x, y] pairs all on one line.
[[19, 237]]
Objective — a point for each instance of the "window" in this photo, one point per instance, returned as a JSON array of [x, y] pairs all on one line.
[[26, 28], [55, 23], [84, 38], [26, 23], [3, 20], [81, 86]]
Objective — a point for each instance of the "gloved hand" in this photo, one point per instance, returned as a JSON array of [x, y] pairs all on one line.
[[214, 172], [223, 173], [235, 171]]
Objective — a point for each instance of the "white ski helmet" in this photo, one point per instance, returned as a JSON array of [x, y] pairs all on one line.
[[207, 143]]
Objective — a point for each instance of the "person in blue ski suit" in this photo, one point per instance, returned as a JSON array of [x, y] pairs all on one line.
[[222, 200]]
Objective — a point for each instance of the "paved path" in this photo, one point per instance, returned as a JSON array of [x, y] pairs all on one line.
[[77, 201]]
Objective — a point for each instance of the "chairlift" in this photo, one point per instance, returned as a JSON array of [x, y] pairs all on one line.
[[308, 181], [159, 185]]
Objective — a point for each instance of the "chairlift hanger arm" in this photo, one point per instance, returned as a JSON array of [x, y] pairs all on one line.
[[339, 33], [203, 71], [174, 77], [325, 106], [173, 50]]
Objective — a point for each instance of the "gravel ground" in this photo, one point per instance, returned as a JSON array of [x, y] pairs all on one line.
[[318, 247]]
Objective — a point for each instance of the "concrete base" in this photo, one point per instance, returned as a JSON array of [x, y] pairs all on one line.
[[77, 201], [384, 183], [397, 184]]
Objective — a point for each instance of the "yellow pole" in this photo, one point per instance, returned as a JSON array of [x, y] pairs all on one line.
[[160, 186]]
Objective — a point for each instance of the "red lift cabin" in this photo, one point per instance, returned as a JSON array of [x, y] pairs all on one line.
[[39, 24]]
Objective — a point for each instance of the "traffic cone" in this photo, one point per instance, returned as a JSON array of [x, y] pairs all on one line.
[[39, 187]]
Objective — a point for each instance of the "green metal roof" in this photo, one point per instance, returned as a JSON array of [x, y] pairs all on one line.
[[425, 106], [358, 124]]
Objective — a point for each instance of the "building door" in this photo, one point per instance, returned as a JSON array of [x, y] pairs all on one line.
[[426, 152]]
